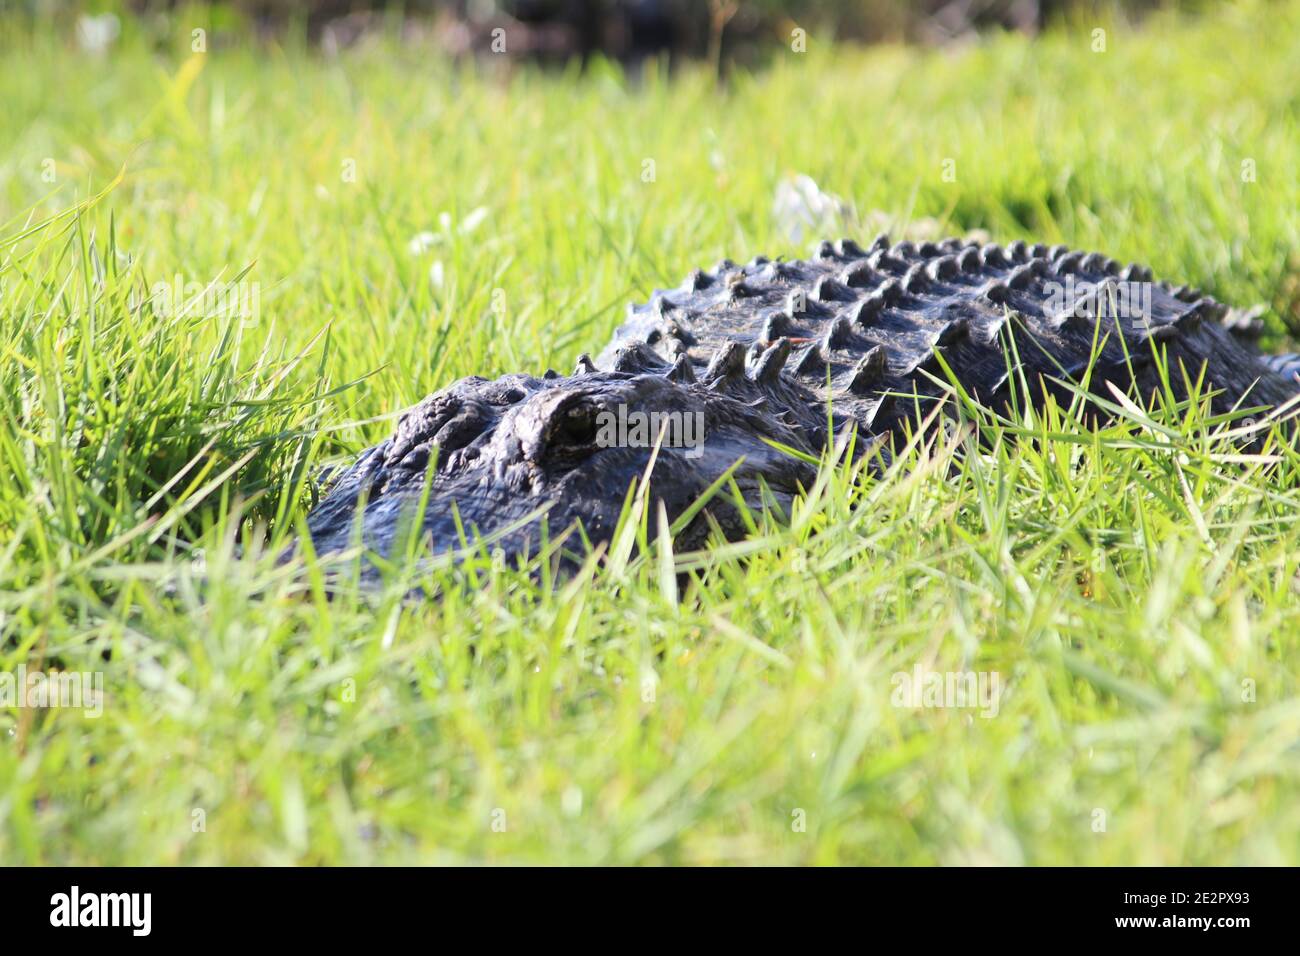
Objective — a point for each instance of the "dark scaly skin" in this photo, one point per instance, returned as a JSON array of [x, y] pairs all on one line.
[[741, 346]]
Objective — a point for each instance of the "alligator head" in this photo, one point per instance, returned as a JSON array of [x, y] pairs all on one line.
[[502, 459]]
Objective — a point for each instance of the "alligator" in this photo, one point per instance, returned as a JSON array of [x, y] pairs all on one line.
[[774, 356]]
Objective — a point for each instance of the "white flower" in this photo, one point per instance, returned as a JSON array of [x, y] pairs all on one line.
[[473, 220], [422, 242], [95, 34], [425, 240], [800, 206]]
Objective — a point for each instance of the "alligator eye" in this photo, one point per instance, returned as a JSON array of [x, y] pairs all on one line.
[[575, 429]]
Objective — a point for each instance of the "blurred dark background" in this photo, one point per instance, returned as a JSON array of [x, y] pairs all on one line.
[[628, 30]]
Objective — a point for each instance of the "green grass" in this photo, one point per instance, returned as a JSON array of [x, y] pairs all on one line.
[[1135, 590]]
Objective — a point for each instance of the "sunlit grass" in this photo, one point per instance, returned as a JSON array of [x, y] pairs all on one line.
[[1134, 587]]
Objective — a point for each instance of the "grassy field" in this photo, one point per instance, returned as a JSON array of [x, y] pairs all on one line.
[[1133, 591]]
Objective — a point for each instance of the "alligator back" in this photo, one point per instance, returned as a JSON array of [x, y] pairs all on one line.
[[864, 326]]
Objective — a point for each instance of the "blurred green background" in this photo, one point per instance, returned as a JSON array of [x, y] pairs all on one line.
[[624, 29]]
